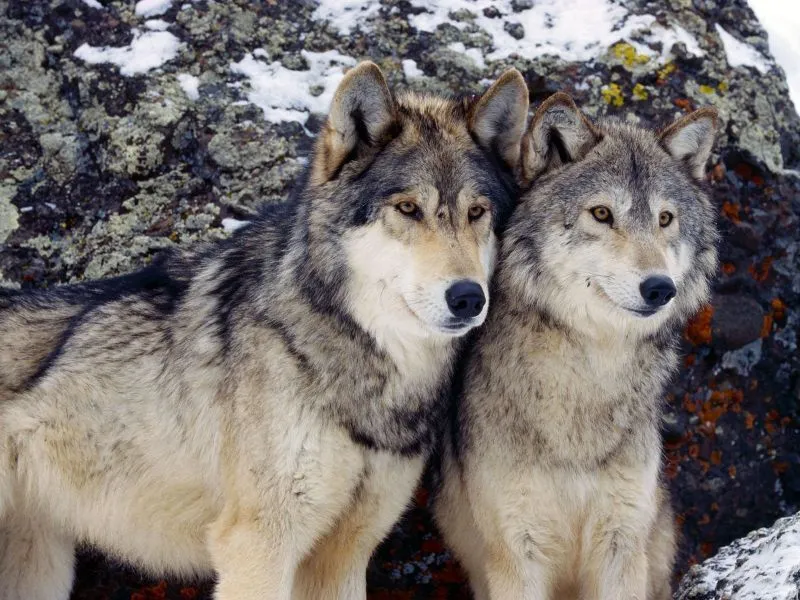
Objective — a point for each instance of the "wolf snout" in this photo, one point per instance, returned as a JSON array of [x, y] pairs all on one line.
[[657, 291], [465, 299]]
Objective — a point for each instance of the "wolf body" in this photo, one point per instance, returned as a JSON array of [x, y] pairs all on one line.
[[262, 408], [550, 474]]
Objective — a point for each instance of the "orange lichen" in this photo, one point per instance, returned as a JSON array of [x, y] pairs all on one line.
[[684, 104], [766, 325], [761, 272], [698, 331], [731, 211], [732, 471], [728, 268], [778, 308]]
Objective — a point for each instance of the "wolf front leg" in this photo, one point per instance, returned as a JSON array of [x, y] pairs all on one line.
[[512, 576], [336, 568], [617, 569], [253, 558]]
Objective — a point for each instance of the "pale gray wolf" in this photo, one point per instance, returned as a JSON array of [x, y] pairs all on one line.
[[550, 483], [261, 409]]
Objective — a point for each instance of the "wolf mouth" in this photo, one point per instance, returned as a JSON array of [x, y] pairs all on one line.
[[643, 312]]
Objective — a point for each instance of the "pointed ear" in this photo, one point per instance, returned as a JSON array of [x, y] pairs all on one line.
[[691, 138], [497, 119], [362, 114], [559, 133]]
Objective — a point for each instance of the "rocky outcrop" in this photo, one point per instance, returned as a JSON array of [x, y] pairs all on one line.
[[765, 565], [126, 128]]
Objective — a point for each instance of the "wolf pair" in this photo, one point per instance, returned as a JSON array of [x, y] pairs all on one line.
[[262, 408]]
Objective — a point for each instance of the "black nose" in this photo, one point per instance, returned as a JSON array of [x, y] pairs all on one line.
[[465, 299], [657, 291]]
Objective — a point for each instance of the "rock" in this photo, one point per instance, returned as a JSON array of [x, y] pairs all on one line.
[[515, 30], [765, 565], [737, 320]]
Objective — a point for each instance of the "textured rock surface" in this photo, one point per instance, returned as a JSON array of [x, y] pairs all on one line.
[[765, 565], [100, 170]]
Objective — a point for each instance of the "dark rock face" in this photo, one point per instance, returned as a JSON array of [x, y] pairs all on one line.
[[100, 170]]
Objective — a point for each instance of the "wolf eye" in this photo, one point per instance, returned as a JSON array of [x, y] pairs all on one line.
[[602, 214], [409, 209], [475, 212], [665, 218]]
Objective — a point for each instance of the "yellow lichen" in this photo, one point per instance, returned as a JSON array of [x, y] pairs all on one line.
[[628, 55], [640, 92], [706, 89], [722, 86], [667, 70], [612, 94]]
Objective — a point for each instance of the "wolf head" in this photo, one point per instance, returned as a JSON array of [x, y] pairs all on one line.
[[617, 230], [405, 195]]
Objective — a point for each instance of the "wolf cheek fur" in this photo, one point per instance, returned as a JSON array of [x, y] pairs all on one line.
[[550, 475], [262, 407]]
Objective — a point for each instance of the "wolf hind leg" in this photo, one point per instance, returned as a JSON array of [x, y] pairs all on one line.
[[36, 562]]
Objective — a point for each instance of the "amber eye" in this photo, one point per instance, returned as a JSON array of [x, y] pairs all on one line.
[[602, 214], [409, 209], [665, 218], [475, 212]]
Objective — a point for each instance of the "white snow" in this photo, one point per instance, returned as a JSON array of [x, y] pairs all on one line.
[[576, 30], [190, 85], [760, 565], [231, 225], [152, 8], [411, 70], [147, 51], [156, 25], [345, 15], [93, 3], [740, 54], [286, 95], [781, 19]]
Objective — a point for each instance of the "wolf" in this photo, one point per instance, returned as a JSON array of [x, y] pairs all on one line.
[[549, 479], [261, 408]]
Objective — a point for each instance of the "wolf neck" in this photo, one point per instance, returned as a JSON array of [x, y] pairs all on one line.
[[585, 400]]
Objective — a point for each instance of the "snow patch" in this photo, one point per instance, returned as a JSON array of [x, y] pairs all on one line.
[[575, 30], [190, 85], [411, 70], [740, 54], [147, 51], [156, 25], [152, 8], [781, 19], [231, 225], [765, 564], [346, 15], [287, 95], [93, 3]]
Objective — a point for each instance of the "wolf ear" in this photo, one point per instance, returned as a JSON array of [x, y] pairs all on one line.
[[497, 119], [362, 113], [559, 133], [691, 138]]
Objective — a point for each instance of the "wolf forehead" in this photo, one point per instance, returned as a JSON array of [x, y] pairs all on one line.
[[431, 148], [629, 168]]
